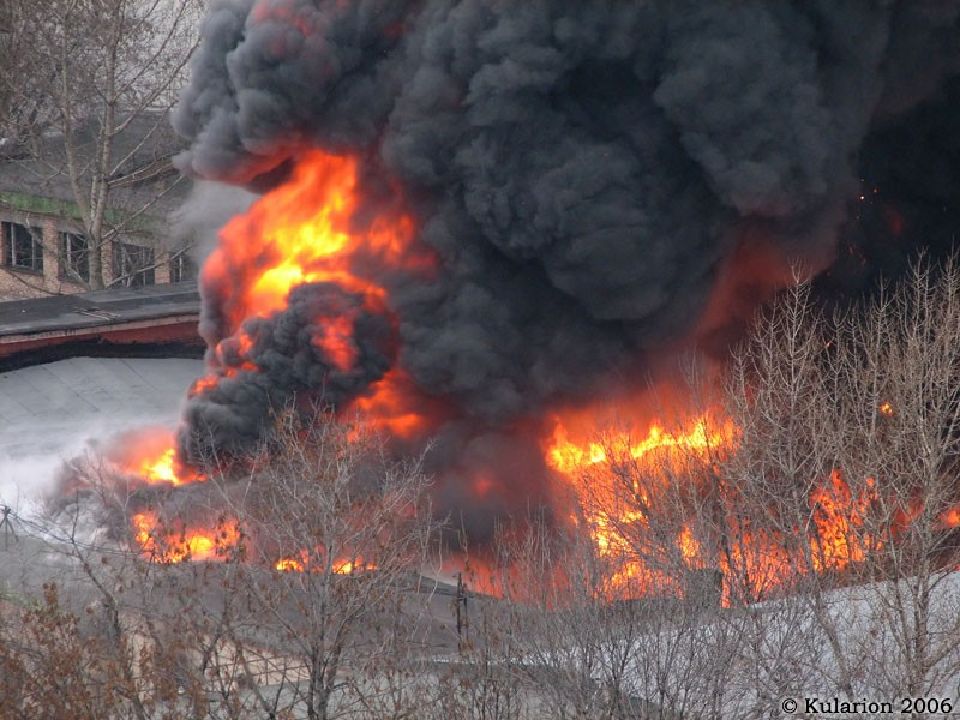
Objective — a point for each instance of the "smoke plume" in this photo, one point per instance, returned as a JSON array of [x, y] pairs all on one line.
[[582, 170]]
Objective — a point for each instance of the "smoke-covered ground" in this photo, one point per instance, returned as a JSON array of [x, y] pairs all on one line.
[[51, 413]]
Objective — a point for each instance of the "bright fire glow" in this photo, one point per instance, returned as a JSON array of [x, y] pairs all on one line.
[[303, 231], [607, 518], [177, 543], [349, 567], [753, 560], [150, 456], [839, 514], [301, 562], [950, 518], [165, 468], [306, 231], [688, 544], [161, 469], [566, 456], [289, 565]]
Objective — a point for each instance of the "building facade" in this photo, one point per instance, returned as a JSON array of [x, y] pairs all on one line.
[[43, 247], [46, 252]]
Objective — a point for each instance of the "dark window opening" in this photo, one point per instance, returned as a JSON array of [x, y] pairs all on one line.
[[134, 265], [76, 257], [182, 268], [22, 246]]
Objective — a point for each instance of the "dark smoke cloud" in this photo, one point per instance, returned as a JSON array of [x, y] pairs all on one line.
[[231, 416], [582, 168]]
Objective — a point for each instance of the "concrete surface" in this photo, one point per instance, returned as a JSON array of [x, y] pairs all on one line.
[[49, 413]]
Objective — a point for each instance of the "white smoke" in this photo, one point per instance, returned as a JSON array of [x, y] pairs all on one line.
[[207, 208]]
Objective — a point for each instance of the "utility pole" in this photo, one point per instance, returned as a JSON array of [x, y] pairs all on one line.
[[7, 525], [463, 618]]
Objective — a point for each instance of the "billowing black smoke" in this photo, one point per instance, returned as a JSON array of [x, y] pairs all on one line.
[[583, 169], [229, 417]]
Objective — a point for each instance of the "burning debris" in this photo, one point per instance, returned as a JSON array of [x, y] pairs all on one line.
[[177, 542]]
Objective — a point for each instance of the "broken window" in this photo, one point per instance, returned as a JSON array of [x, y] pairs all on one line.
[[134, 265], [22, 246], [76, 256], [182, 268]]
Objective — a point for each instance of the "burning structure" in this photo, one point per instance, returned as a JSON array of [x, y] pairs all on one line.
[[487, 224]]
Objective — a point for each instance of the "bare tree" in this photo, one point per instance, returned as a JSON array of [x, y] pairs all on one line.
[[596, 635], [93, 644], [92, 100], [326, 591], [10, 62], [304, 598], [847, 460], [829, 514]]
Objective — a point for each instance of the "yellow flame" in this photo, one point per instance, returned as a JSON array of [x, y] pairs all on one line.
[[688, 544], [288, 565], [566, 456], [161, 546], [161, 469]]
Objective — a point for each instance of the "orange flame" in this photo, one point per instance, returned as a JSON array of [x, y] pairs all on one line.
[[394, 406], [950, 518], [754, 561], [304, 231], [166, 469], [289, 565], [151, 456], [160, 469], [176, 543], [301, 562], [566, 456], [349, 567], [688, 544], [838, 515], [607, 518]]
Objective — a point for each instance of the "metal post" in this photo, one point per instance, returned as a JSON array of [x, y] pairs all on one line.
[[463, 619], [7, 525]]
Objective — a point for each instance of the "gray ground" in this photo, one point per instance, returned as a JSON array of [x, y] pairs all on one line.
[[49, 413]]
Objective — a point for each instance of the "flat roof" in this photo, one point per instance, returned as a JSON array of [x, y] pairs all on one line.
[[100, 308], [50, 410]]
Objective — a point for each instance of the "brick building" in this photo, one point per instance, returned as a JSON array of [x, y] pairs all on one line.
[[43, 249]]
